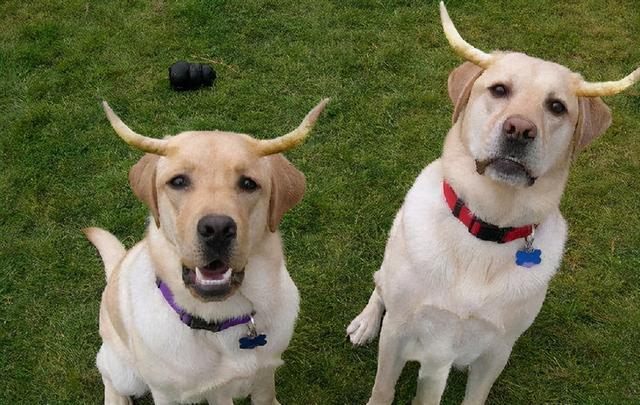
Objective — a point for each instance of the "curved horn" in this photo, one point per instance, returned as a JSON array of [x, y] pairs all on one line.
[[596, 89], [459, 45], [145, 144], [293, 138]]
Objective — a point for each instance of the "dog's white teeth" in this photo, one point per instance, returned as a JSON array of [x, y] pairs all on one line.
[[200, 279]]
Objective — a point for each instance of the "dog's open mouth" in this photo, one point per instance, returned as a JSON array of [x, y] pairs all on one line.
[[506, 170], [212, 282]]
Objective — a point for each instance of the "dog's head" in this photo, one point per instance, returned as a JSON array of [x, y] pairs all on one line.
[[214, 195], [521, 117]]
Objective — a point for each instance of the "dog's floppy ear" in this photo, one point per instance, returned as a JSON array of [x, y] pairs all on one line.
[[287, 188], [460, 83], [593, 120], [142, 178]]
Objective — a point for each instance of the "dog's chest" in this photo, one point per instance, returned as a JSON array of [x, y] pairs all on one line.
[[483, 288], [462, 292], [481, 280], [188, 364], [461, 317]]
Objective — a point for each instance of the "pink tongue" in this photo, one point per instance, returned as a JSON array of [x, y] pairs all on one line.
[[214, 271]]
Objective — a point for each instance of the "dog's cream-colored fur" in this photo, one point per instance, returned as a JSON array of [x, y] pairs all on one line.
[[451, 298], [145, 345]]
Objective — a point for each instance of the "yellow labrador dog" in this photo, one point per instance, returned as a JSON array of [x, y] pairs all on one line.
[[203, 307], [480, 234]]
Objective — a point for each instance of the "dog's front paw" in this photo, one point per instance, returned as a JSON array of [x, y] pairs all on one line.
[[365, 327]]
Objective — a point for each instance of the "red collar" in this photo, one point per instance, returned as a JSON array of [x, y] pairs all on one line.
[[476, 226]]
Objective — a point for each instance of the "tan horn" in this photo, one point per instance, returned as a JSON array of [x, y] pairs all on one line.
[[293, 138], [596, 89], [145, 144], [459, 45]]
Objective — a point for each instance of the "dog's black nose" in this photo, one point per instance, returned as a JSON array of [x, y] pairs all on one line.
[[517, 128], [217, 228]]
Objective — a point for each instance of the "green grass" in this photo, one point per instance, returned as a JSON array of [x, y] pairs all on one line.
[[385, 64]]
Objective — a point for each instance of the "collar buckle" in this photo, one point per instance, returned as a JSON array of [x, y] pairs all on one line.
[[488, 232]]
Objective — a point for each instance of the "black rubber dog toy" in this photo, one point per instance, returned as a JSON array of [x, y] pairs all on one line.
[[190, 76]]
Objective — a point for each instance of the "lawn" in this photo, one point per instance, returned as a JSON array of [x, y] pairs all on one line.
[[385, 65]]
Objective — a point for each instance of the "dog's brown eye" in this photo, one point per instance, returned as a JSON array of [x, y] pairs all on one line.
[[179, 182], [499, 90], [247, 184], [556, 107]]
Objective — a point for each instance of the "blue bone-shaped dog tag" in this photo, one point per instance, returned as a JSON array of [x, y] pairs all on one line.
[[249, 342], [528, 259]]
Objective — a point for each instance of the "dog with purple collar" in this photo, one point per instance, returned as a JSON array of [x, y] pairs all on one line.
[[203, 307]]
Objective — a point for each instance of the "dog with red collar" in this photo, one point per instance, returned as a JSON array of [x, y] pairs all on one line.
[[480, 234]]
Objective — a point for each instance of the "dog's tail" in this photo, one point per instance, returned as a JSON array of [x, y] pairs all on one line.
[[110, 249]]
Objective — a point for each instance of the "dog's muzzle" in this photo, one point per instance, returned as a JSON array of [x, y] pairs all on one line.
[[508, 166], [217, 279], [213, 282], [507, 170]]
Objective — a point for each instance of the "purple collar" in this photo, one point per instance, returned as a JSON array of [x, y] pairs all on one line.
[[198, 323]]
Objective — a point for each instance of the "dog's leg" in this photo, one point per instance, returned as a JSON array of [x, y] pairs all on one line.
[[111, 396], [115, 373], [161, 399], [364, 328], [390, 364], [263, 391], [483, 373], [432, 379], [219, 398]]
